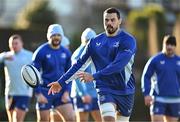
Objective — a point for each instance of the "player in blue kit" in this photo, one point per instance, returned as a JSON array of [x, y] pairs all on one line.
[[112, 53], [161, 83], [53, 60], [84, 94]]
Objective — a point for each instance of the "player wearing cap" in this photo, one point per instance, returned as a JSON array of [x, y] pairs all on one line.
[[84, 94], [53, 60]]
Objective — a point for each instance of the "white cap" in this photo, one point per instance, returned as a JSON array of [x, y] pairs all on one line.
[[65, 41], [54, 29]]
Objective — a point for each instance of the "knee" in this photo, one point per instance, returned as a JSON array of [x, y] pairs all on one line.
[[108, 119], [108, 110], [71, 118], [43, 119]]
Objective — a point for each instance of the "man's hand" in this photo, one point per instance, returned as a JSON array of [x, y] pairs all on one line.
[[85, 77], [55, 87], [148, 100], [8, 56]]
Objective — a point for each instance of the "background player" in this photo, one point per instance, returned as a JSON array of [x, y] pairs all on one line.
[[84, 94], [53, 60], [17, 92], [161, 83]]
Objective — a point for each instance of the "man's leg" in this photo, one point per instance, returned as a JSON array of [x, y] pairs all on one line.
[[108, 112], [171, 119], [43, 111], [17, 107], [81, 110], [9, 107], [84, 116], [10, 115], [43, 115], [95, 111], [119, 103], [120, 118], [56, 116], [16, 115], [67, 112], [157, 118], [96, 115], [19, 115], [157, 111], [173, 112]]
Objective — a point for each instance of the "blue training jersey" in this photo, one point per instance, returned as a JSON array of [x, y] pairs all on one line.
[[161, 76], [79, 88], [113, 58], [14, 84], [52, 63]]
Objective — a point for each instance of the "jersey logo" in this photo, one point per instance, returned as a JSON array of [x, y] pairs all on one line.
[[63, 55], [116, 44], [23, 106], [128, 51], [178, 112], [156, 110], [98, 44], [102, 98], [162, 62], [48, 56], [129, 110]]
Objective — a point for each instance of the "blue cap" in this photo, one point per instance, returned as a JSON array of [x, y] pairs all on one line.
[[54, 29], [88, 34]]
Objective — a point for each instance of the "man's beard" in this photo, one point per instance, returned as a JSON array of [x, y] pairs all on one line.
[[169, 52], [111, 30], [56, 43]]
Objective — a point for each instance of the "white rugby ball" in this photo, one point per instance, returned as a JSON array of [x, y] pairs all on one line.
[[30, 75]]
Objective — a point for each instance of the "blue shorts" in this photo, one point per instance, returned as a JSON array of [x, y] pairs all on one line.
[[88, 107], [124, 103], [53, 100], [169, 109], [20, 102]]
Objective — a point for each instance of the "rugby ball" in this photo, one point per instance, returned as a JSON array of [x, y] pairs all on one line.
[[30, 75]]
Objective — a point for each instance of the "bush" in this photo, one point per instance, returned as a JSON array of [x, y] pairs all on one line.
[[36, 15], [138, 24]]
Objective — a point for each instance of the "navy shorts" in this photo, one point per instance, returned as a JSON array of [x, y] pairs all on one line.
[[20, 102], [82, 107], [124, 103], [169, 109], [53, 100]]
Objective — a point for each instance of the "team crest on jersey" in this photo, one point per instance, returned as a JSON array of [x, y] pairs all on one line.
[[178, 112], [178, 63], [129, 110], [48, 56], [98, 44], [102, 98], [116, 44], [63, 55], [156, 109], [162, 62]]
